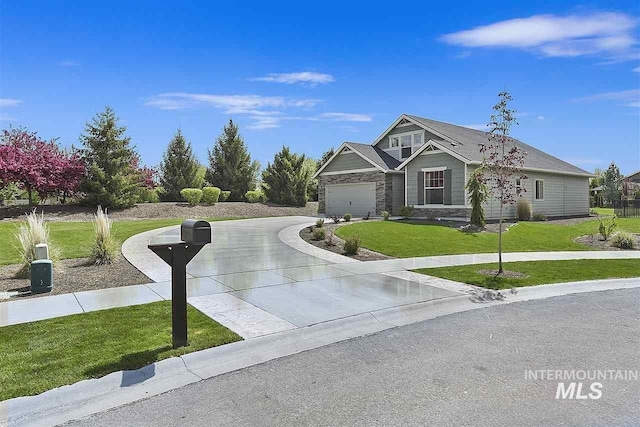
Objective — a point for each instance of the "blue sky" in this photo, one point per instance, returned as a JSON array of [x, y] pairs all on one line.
[[311, 75]]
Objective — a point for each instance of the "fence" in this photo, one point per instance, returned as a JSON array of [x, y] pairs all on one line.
[[627, 208]]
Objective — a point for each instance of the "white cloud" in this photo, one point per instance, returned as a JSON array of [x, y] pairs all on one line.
[[346, 117], [9, 102], [305, 77], [627, 98], [608, 34], [540, 117], [68, 64], [267, 112]]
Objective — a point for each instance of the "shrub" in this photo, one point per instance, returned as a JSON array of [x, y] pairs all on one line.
[[320, 222], [537, 216], [192, 195], [255, 196], [352, 244], [319, 234], [104, 248], [385, 216], [347, 217], [623, 240], [32, 232], [224, 196], [606, 226], [406, 212], [523, 208], [210, 195]]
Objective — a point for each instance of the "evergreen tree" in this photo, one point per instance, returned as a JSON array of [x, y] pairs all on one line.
[[112, 179], [230, 165], [179, 168], [286, 180]]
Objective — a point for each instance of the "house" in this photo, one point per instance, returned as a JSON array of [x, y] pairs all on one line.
[[425, 164]]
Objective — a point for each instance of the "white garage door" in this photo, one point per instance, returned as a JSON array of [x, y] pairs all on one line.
[[356, 199]]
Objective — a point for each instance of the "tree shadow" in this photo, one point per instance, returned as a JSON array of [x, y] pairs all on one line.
[[138, 367]]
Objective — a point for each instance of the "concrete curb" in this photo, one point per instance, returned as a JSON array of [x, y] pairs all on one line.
[[91, 396]]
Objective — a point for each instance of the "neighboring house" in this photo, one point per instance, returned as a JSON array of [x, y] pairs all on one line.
[[425, 164]]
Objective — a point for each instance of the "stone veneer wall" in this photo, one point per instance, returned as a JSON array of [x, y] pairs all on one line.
[[383, 187], [442, 213]]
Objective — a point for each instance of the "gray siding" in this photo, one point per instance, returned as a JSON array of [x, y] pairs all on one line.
[[431, 161], [347, 161], [564, 195], [398, 193]]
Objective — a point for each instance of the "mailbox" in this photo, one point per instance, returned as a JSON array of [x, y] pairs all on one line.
[[195, 232], [177, 253]]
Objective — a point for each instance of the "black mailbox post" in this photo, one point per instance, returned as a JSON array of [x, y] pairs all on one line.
[[194, 235]]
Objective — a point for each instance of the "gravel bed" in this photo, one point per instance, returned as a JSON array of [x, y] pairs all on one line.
[[363, 254], [161, 211], [72, 275]]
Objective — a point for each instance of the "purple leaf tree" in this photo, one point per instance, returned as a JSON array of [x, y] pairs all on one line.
[[502, 161]]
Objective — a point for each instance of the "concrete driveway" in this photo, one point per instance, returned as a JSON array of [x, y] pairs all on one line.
[[252, 282], [461, 369]]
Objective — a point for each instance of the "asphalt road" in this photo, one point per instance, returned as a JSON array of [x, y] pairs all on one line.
[[466, 369]]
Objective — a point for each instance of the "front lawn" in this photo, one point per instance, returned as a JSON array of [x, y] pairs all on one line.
[[74, 238], [539, 272], [42, 355], [412, 239]]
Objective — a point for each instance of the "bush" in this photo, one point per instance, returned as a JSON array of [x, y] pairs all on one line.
[[32, 232], [347, 217], [523, 207], [210, 195], [320, 222], [352, 244], [224, 196], [623, 240], [319, 234], [192, 195], [606, 226], [385, 216], [104, 248], [406, 212], [537, 216], [255, 196]]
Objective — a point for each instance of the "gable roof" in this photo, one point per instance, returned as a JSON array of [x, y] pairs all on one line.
[[464, 143]]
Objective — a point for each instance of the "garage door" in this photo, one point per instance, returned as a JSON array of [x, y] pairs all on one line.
[[357, 199]]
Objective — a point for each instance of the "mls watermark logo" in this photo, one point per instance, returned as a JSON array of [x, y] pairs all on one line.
[[580, 384]]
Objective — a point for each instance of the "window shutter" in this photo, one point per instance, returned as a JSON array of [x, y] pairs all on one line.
[[421, 188], [447, 187]]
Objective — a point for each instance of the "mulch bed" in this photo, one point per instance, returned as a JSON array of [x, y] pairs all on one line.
[[161, 211], [73, 275], [338, 248], [505, 273], [597, 242]]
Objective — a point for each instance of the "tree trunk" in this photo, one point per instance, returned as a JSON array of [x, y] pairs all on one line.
[[500, 242]]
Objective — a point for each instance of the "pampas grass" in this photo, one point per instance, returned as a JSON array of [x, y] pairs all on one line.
[[31, 233], [104, 249]]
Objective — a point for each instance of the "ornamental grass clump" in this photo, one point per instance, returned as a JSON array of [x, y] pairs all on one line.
[[32, 232], [104, 249]]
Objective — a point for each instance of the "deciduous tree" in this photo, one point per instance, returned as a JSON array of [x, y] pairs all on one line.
[[502, 161]]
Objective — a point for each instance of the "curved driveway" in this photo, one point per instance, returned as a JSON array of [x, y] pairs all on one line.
[[252, 282]]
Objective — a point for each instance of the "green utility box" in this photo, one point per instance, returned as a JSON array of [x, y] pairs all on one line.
[[41, 276]]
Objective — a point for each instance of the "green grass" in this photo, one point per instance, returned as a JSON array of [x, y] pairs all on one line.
[[539, 272], [42, 355], [74, 238], [408, 239], [603, 211]]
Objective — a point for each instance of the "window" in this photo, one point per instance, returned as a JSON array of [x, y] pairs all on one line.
[[394, 142], [539, 189], [434, 188]]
